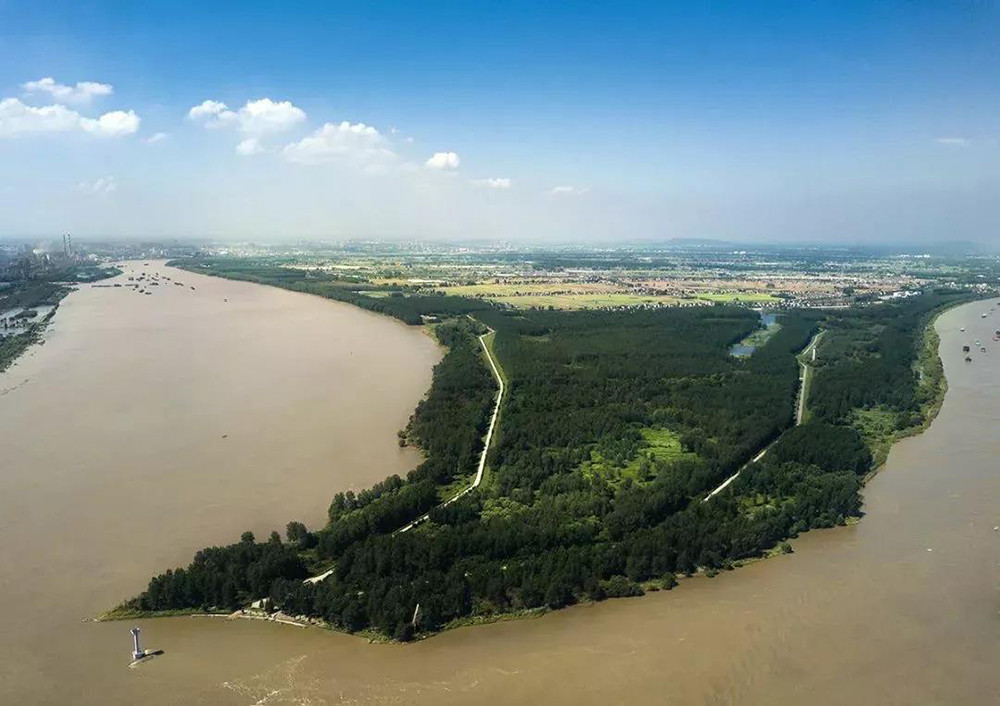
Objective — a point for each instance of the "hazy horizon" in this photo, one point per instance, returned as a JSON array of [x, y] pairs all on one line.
[[839, 123]]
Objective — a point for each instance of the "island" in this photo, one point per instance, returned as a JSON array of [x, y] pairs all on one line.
[[631, 448]]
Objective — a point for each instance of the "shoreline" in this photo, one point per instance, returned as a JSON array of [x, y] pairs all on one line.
[[34, 336], [929, 355], [932, 341]]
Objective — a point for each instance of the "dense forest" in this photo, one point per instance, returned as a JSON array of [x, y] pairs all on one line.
[[878, 369], [614, 428]]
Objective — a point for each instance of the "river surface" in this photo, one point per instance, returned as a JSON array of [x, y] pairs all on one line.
[[901, 609], [148, 426]]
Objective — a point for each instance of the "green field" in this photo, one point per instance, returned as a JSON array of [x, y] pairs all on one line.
[[658, 445], [586, 301], [590, 295]]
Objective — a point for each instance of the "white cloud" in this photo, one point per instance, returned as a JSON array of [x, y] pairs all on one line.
[[264, 115], [156, 137], [113, 124], [953, 141], [568, 191], [16, 119], [340, 141], [208, 109], [83, 92], [249, 146], [493, 183], [255, 118], [99, 187], [443, 160]]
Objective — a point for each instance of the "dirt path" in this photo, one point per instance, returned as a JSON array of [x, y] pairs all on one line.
[[800, 405], [486, 443]]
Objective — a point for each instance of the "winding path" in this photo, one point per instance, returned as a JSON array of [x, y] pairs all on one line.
[[800, 406], [486, 443], [482, 457]]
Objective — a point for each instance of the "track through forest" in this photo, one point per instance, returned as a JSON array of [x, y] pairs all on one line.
[[800, 405], [486, 443], [482, 457]]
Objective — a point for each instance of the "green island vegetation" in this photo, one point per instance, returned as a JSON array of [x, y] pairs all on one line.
[[26, 296], [42, 289], [882, 375], [614, 429]]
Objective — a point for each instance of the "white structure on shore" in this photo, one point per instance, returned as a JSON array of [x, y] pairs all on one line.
[[137, 652]]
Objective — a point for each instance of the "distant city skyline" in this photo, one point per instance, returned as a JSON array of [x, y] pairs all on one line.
[[839, 123]]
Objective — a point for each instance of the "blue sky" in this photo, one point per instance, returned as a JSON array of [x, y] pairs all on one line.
[[833, 121]]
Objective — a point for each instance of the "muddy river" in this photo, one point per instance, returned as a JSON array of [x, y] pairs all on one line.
[[150, 425]]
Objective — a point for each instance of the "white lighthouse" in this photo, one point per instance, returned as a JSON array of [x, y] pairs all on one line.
[[137, 652]]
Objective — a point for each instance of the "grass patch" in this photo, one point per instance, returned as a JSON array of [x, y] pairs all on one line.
[[659, 445], [663, 445], [125, 613], [457, 485]]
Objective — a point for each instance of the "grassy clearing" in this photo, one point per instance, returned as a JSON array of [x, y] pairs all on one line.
[[457, 485], [123, 613], [663, 445], [878, 427], [658, 445]]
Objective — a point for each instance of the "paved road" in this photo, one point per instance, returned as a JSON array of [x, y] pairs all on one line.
[[810, 353], [486, 443], [800, 405], [482, 457]]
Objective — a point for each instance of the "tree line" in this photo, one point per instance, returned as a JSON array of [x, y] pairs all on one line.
[[549, 527]]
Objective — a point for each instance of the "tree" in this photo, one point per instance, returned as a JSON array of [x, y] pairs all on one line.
[[295, 531]]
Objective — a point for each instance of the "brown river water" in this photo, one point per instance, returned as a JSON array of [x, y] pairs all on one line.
[[113, 466]]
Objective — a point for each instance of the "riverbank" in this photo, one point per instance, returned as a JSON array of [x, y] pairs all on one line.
[[13, 347], [145, 428], [24, 299], [784, 499], [934, 384], [782, 631]]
